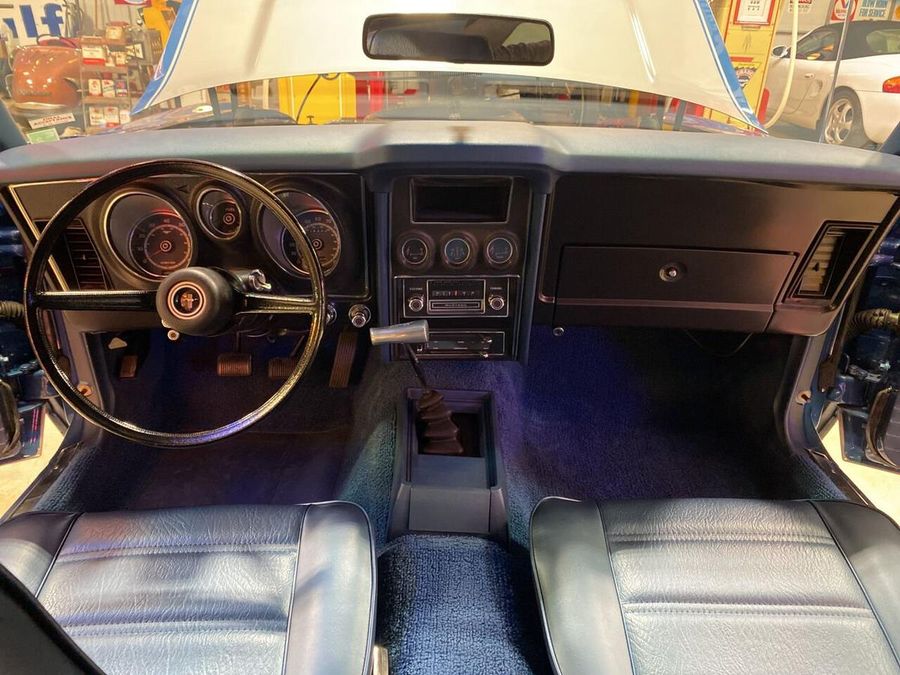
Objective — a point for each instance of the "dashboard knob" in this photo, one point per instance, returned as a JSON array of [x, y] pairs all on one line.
[[496, 303], [416, 303], [360, 316]]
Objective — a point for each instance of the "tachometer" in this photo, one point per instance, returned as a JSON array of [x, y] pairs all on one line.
[[325, 238], [161, 243]]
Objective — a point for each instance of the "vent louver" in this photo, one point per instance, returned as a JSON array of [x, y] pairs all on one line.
[[86, 266], [832, 262], [78, 259]]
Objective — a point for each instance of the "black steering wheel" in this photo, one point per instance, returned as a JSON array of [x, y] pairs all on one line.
[[194, 301]]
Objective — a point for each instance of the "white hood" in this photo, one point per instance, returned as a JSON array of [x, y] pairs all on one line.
[[665, 47]]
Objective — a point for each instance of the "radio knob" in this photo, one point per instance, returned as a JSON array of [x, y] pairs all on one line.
[[496, 303], [416, 303]]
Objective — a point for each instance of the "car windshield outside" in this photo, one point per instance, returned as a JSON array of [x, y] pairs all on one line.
[[81, 67]]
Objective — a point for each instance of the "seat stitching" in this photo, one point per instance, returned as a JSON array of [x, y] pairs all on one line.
[[170, 550], [715, 605], [56, 556], [275, 623], [165, 547], [704, 536], [762, 539], [180, 631], [861, 614]]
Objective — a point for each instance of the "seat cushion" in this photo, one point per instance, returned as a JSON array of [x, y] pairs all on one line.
[[262, 589], [724, 586]]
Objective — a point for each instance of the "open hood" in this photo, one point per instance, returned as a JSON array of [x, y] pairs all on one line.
[[671, 48]]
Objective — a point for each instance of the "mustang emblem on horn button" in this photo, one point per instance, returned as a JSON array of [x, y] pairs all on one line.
[[186, 300]]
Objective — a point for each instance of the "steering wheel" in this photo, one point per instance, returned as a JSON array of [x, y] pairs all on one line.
[[195, 301]]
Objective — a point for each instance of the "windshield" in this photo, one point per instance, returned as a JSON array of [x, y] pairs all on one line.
[[747, 67]]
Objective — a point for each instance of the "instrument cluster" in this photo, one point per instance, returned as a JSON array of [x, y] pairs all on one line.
[[154, 232]]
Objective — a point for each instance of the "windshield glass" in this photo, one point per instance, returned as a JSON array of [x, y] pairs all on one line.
[[818, 70]]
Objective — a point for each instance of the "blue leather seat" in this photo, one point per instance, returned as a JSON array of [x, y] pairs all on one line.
[[260, 589], [717, 586]]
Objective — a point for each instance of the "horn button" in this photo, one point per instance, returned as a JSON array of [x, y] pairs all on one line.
[[195, 301]]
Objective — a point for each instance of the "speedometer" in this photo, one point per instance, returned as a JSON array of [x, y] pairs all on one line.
[[317, 220], [161, 244], [324, 237]]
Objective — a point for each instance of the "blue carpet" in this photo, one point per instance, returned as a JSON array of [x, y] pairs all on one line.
[[451, 605], [605, 414]]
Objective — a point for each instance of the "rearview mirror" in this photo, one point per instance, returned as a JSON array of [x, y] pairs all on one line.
[[781, 51], [458, 38]]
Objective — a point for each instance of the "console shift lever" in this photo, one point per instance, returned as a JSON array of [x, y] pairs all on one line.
[[441, 435]]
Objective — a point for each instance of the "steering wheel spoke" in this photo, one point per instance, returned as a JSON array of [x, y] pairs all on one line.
[[96, 301], [263, 303]]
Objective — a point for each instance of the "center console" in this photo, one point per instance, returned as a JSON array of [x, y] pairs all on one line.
[[458, 247]]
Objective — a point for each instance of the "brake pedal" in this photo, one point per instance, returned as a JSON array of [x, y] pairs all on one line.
[[281, 367]]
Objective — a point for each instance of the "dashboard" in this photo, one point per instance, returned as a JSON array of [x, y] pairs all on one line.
[[485, 229]]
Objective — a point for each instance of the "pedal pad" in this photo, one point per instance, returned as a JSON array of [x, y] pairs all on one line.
[[344, 357], [234, 365], [128, 367], [281, 367]]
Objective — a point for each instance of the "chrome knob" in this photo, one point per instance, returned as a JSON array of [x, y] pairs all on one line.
[[360, 316], [496, 303], [416, 303]]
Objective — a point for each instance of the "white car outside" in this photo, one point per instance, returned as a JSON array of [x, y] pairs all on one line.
[[866, 104]]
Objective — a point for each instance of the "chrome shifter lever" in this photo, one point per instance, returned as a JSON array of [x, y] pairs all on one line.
[[412, 333]]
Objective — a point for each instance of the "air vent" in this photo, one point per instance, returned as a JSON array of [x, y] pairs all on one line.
[[831, 264], [78, 260]]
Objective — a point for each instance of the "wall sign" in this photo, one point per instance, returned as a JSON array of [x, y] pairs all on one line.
[[754, 12]]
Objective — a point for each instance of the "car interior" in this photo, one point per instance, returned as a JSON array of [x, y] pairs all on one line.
[[455, 397]]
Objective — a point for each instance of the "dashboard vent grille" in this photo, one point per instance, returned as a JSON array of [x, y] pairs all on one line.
[[831, 263], [78, 259]]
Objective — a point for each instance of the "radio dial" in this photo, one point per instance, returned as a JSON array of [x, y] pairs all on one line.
[[497, 303], [416, 303]]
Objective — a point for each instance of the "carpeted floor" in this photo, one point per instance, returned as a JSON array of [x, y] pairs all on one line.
[[450, 605], [293, 456], [606, 414], [254, 468]]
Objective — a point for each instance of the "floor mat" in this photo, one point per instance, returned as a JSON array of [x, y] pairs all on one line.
[[253, 468], [450, 605]]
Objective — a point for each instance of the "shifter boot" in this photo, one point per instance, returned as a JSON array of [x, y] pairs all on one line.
[[441, 435]]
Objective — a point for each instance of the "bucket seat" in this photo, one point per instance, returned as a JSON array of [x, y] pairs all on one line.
[[226, 589], [717, 586]]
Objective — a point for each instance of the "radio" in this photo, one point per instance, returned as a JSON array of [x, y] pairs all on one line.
[[454, 297]]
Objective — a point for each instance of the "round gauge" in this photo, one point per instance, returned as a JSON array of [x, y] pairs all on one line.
[[160, 244], [318, 222], [457, 251], [324, 237], [220, 214], [415, 252], [500, 251]]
